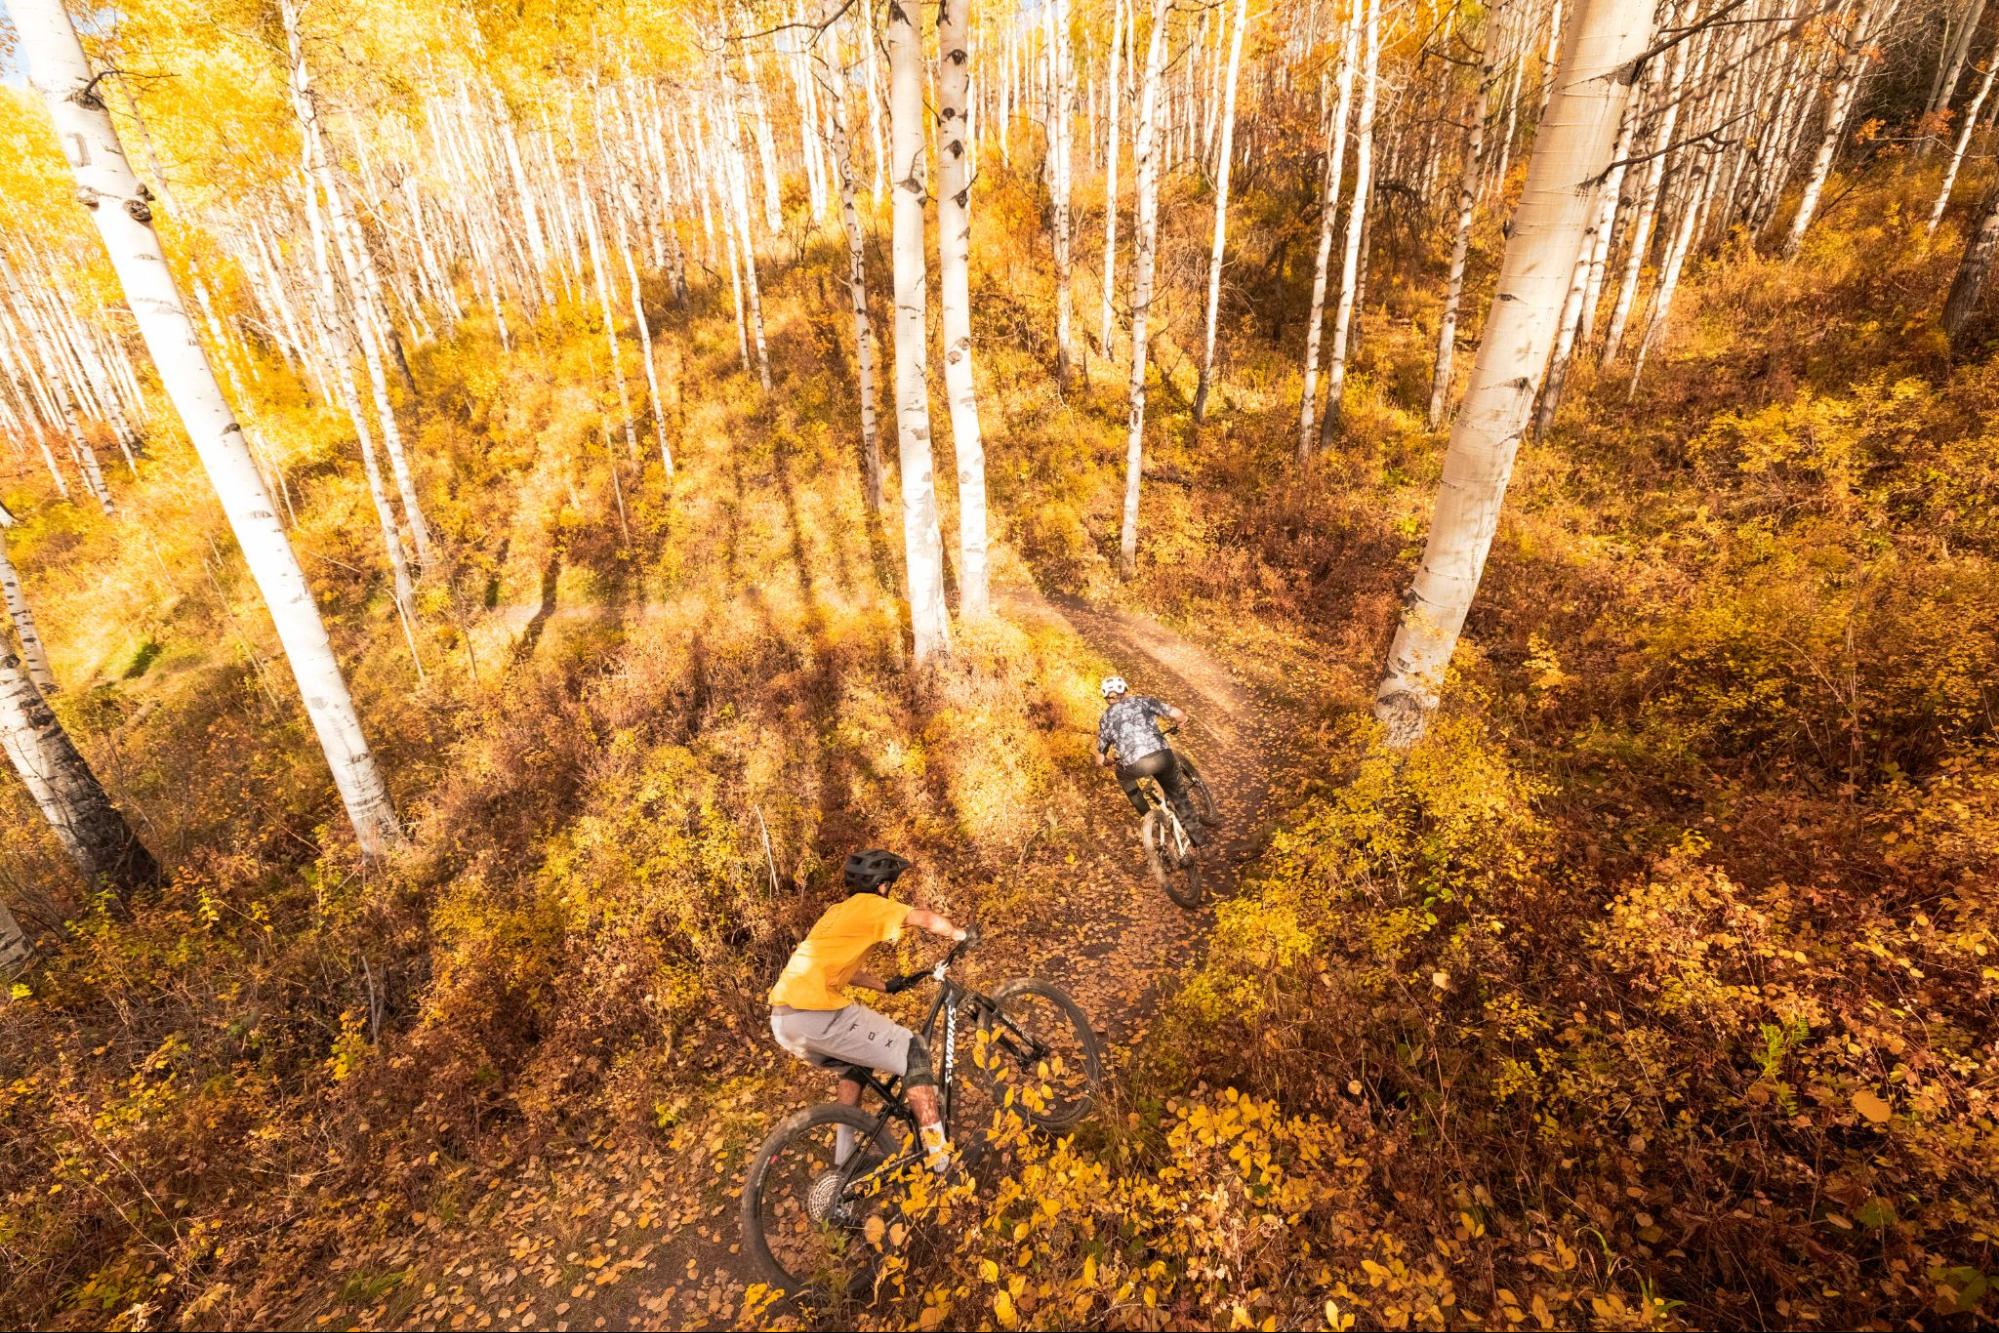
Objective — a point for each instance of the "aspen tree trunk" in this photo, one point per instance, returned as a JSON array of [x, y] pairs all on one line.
[[113, 197], [1853, 71], [1113, 94], [68, 794], [370, 320], [1969, 284], [1572, 149], [922, 544], [871, 59], [766, 149], [835, 89], [1145, 162], [1356, 235], [34, 656], [1648, 203], [336, 337], [1669, 273], [1512, 109], [15, 946], [1956, 50], [1963, 141], [1447, 327], [1061, 130], [1223, 161], [653, 397], [600, 264], [1575, 309], [1336, 157], [524, 196], [954, 244], [737, 210]]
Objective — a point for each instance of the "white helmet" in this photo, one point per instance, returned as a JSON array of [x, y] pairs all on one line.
[[1113, 686]]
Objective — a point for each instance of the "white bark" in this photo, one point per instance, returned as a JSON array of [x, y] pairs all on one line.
[[1223, 162], [64, 789], [954, 244], [1145, 159], [1061, 132], [113, 197], [1454, 285], [1113, 94], [601, 265], [1572, 149], [1648, 203], [1968, 287], [15, 946], [1336, 160], [923, 546], [34, 655], [834, 87], [1356, 234], [1853, 71], [1962, 142]]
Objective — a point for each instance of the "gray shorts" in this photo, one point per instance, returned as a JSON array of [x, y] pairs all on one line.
[[855, 1035]]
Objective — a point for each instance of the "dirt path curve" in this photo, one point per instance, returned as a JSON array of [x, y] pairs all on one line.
[[643, 1235]]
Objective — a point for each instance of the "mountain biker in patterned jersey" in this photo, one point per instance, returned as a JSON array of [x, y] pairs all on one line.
[[1130, 727], [812, 1016]]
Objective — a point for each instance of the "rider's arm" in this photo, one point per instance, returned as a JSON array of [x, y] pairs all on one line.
[[868, 981], [936, 924], [1173, 715]]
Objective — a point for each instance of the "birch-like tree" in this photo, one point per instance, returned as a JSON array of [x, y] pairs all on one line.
[[1223, 160], [1145, 161], [834, 87], [922, 544], [1061, 131], [1968, 287], [954, 245], [1336, 157], [1572, 151], [1454, 282], [1967, 126], [1114, 97], [121, 209], [34, 656], [1345, 310], [63, 788]]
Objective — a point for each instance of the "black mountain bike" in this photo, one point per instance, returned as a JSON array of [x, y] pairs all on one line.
[[832, 1181], [1169, 845]]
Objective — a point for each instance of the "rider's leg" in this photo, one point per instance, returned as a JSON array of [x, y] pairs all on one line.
[[919, 1086], [1173, 779], [1127, 778], [848, 1094]]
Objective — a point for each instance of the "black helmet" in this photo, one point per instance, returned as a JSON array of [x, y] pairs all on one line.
[[872, 871]]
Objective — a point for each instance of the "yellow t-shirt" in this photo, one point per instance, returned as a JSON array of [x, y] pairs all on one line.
[[831, 952]]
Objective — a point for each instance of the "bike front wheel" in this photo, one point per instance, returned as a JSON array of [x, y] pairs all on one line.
[[813, 1215], [1036, 1052]]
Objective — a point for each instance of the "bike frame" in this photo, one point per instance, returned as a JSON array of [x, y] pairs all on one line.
[[952, 998]]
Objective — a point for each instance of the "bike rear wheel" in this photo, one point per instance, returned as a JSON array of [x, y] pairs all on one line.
[[1039, 1055], [813, 1220], [1176, 867]]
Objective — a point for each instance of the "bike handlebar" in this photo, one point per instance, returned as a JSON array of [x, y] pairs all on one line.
[[897, 985]]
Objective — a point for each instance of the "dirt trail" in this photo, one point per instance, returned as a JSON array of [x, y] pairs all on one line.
[[1125, 945], [644, 1236]]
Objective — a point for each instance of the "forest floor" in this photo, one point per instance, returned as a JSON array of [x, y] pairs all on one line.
[[640, 1230]]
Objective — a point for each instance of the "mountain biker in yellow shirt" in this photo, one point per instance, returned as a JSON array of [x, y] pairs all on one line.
[[813, 1017]]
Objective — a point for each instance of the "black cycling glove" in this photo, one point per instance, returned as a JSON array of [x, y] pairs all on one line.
[[897, 985]]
